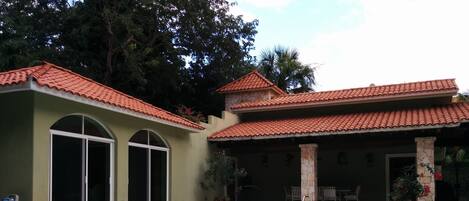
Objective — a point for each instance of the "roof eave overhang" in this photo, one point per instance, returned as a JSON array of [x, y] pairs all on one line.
[[439, 94], [351, 132], [32, 86]]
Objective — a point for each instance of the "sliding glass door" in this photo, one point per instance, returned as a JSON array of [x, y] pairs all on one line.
[[148, 167], [99, 171], [138, 174], [68, 169], [81, 161]]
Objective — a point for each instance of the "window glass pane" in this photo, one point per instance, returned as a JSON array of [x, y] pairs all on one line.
[[138, 174], [158, 175], [67, 169], [93, 128], [155, 140], [69, 124], [98, 171], [140, 137]]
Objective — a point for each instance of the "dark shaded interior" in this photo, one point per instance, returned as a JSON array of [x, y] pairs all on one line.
[[67, 169], [158, 175], [98, 171], [138, 174]]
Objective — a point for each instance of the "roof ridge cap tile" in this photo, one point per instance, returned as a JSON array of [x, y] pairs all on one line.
[[253, 72], [23, 69], [97, 83], [372, 87], [388, 90]]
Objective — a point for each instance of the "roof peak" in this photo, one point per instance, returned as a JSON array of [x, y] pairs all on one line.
[[252, 81], [64, 80]]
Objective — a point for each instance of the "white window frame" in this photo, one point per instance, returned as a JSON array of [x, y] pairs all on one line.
[[149, 148], [86, 139]]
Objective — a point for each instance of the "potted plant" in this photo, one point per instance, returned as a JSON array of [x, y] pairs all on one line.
[[221, 171]]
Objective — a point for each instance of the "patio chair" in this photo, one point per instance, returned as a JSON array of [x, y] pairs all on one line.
[[328, 193], [293, 193], [353, 196]]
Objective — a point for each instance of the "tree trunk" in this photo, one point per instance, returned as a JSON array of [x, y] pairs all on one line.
[[110, 51]]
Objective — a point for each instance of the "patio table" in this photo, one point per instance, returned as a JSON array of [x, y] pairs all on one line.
[[343, 192]]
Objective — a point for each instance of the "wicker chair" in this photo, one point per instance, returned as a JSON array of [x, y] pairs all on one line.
[[353, 196], [293, 193]]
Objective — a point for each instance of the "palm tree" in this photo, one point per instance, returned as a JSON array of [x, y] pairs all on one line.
[[282, 66]]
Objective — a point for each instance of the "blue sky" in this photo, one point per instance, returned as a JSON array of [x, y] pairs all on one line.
[[359, 42], [291, 24]]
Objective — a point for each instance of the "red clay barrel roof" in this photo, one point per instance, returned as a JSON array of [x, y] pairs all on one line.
[[399, 119], [55, 77], [250, 82], [355, 94]]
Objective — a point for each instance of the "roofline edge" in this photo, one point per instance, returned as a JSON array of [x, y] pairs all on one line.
[[30, 85], [298, 135], [422, 95]]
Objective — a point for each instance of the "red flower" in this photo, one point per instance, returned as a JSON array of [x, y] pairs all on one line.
[[426, 191], [438, 176]]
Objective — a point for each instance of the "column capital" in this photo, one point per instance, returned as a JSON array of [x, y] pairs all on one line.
[[313, 145], [418, 139]]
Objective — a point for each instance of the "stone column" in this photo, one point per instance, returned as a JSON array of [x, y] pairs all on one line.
[[425, 165], [309, 179]]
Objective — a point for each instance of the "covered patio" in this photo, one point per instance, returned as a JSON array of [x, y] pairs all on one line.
[[317, 145], [371, 161]]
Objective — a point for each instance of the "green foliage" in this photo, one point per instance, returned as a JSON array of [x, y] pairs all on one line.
[[221, 171], [167, 52], [406, 187], [190, 114], [282, 66], [462, 97]]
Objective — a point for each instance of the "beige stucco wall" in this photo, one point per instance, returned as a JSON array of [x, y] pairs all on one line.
[[247, 96], [16, 144], [25, 145], [187, 154]]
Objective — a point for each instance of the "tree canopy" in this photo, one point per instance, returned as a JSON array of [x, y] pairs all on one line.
[[167, 52], [281, 65]]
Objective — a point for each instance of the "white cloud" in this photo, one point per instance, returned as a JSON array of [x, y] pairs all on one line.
[[237, 10], [397, 41], [277, 4]]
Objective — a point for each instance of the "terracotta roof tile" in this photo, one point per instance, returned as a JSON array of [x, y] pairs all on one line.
[[250, 82], [348, 123], [55, 77], [354, 94]]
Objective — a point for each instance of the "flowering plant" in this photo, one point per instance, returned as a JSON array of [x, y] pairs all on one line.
[[406, 187]]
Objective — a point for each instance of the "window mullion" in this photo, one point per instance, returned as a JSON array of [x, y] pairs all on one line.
[[86, 169], [149, 174]]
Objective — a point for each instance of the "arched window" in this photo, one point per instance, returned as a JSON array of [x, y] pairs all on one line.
[[148, 167], [81, 165]]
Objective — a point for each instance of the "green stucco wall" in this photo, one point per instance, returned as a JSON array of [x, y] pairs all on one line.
[[16, 144], [25, 141]]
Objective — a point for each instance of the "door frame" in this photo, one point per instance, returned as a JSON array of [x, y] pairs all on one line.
[[150, 148], [388, 157]]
